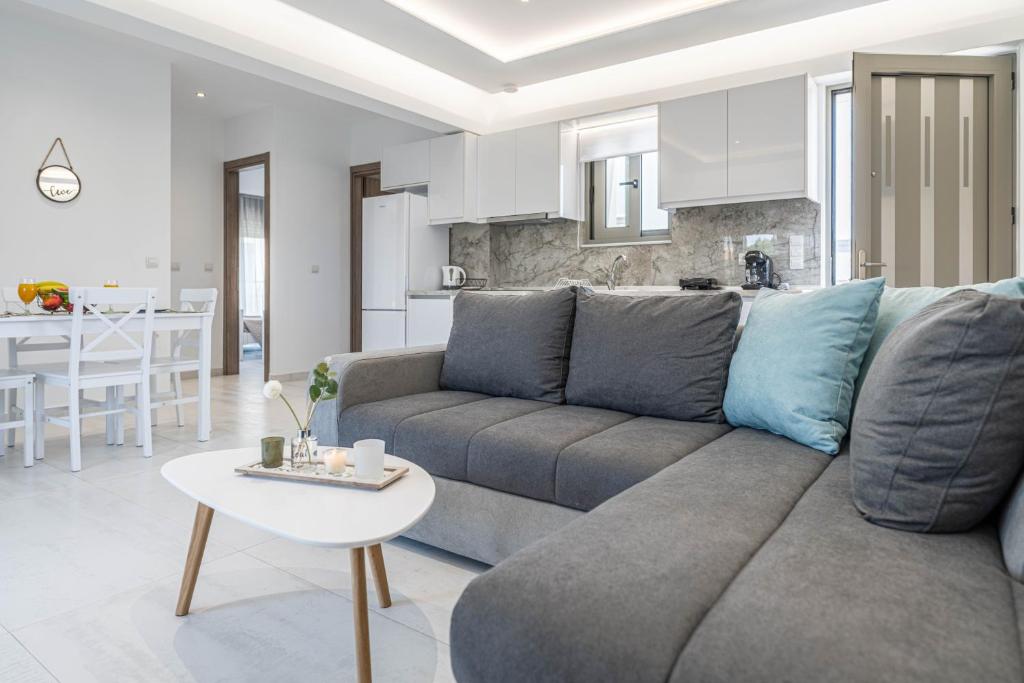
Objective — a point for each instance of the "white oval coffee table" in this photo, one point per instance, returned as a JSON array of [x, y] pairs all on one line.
[[316, 514]]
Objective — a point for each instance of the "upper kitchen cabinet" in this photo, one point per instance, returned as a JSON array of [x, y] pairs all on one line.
[[692, 149], [452, 194], [768, 138], [496, 174], [405, 165], [751, 143], [537, 160], [529, 172]]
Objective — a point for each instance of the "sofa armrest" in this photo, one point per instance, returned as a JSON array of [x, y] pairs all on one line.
[[376, 376]]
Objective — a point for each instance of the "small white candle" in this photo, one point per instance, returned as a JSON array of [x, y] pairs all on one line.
[[335, 460]]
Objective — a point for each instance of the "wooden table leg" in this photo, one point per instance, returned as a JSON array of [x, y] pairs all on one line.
[[196, 547], [380, 575], [360, 617]]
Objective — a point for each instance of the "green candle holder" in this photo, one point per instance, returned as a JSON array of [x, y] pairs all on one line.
[[272, 451]]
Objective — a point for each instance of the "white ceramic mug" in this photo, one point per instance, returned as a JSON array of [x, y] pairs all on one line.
[[369, 454]]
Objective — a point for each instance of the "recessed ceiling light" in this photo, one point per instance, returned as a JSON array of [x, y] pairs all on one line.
[[200, 94], [510, 88]]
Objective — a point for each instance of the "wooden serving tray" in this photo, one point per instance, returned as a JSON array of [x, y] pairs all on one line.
[[316, 474]]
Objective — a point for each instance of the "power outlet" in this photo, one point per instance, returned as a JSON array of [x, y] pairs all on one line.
[[152, 262]]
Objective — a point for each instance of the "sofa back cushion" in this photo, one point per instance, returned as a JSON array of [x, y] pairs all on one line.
[[511, 345], [796, 363], [1011, 531], [660, 356], [938, 438], [898, 304]]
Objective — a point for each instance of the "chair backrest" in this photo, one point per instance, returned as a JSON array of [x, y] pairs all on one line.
[[198, 300], [192, 301], [10, 300], [12, 303], [133, 328]]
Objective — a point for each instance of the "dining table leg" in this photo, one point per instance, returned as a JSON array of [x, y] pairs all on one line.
[[205, 355], [360, 614]]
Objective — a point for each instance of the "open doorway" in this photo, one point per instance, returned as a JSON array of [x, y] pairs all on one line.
[[247, 266]]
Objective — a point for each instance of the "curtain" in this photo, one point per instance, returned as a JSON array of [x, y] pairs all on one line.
[[250, 253]]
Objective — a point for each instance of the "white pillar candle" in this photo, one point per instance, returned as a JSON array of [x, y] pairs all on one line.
[[335, 460], [369, 459]]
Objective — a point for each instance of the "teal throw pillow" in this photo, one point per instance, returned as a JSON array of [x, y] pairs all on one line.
[[794, 369]]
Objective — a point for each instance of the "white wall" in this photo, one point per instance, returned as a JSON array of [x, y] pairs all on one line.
[[111, 106], [309, 208], [371, 134], [197, 205]]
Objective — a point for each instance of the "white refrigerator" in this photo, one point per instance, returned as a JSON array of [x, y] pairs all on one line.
[[400, 252]]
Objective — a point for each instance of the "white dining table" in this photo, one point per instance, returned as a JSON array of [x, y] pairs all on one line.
[[59, 324]]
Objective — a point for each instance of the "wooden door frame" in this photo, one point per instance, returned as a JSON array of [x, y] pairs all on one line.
[[1000, 159], [358, 176], [230, 298]]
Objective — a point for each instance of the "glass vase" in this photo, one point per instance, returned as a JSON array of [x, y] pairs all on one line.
[[304, 450]]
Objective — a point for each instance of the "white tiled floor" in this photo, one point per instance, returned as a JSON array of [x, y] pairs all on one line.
[[90, 564]]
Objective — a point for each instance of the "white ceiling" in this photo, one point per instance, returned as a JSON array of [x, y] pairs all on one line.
[[373, 54], [494, 43], [512, 29]]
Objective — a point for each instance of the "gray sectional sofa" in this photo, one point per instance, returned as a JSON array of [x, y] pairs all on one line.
[[630, 547]]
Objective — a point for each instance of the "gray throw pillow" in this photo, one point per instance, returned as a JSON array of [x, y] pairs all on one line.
[[938, 436], [662, 356], [511, 345]]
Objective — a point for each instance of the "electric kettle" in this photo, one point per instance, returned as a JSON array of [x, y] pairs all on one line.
[[452, 277]]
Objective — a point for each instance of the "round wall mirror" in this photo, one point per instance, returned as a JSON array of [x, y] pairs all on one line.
[[58, 183]]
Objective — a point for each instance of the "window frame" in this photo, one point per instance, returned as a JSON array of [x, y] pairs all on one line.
[[594, 233], [830, 180]]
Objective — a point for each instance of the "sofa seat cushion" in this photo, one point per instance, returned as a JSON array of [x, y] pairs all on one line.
[[438, 441], [598, 467], [831, 597], [520, 456], [380, 419], [639, 572]]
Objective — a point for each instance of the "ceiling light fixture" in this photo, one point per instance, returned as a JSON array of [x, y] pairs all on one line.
[[200, 94]]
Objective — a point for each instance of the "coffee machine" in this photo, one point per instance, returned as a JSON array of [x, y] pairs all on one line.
[[758, 270]]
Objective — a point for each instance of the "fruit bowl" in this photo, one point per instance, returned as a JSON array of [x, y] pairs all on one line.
[[53, 296]]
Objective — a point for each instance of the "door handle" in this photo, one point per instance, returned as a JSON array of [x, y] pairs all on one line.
[[633, 183], [863, 264]]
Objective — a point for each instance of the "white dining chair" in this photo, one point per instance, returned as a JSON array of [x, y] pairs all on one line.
[[10, 382], [93, 364], [16, 350], [184, 355]]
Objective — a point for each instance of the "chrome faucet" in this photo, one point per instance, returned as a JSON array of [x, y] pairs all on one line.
[[613, 271]]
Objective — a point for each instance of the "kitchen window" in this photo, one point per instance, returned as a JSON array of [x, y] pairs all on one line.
[[622, 200]]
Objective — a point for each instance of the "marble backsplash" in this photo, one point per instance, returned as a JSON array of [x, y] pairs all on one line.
[[707, 241]]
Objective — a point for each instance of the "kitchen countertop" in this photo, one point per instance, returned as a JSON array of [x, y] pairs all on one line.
[[626, 290]]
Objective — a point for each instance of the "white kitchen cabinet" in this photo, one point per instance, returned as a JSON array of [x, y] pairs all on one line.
[[751, 143], [529, 171], [767, 137], [496, 175], [452, 190], [428, 320], [405, 165], [537, 169], [692, 149]]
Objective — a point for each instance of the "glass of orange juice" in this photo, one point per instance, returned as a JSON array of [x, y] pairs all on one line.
[[27, 291], [109, 284]]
